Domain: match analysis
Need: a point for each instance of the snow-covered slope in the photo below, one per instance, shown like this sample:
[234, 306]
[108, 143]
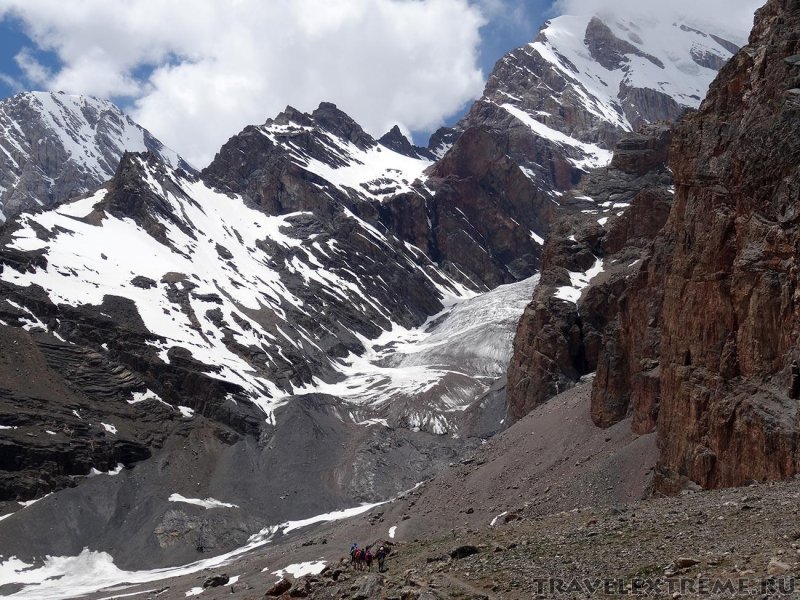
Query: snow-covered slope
[54, 146]
[329, 145]
[275, 305]
[566, 98]
[604, 60]
[218, 351]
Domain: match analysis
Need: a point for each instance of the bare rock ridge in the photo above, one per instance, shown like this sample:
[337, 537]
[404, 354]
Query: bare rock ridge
[56, 146]
[560, 334]
[282, 165]
[697, 340]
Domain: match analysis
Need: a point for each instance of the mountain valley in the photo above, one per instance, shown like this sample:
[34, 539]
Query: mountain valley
[497, 340]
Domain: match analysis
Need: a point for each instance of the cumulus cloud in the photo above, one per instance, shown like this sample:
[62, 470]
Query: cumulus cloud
[733, 18]
[32, 69]
[196, 71]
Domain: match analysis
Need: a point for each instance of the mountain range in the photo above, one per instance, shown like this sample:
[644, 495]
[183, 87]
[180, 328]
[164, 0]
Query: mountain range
[320, 319]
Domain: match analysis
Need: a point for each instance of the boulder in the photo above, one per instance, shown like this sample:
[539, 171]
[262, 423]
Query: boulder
[463, 551]
[216, 581]
[279, 588]
[369, 586]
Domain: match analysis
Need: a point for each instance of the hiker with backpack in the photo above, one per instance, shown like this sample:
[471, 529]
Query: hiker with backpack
[381, 556]
[353, 553]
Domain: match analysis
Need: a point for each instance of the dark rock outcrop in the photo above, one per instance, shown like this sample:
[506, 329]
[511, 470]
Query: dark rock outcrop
[610, 51]
[463, 551]
[216, 581]
[281, 587]
[395, 140]
[52, 431]
[442, 140]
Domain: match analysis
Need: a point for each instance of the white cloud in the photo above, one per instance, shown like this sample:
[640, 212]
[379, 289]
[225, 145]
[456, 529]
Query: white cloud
[31, 68]
[731, 17]
[12, 82]
[213, 67]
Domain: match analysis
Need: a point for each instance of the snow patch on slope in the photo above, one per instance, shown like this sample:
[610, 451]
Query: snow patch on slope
[296, 570]
[594, 155]
[205, 502]
[578, 282]
[61, 577]
[376, 172]
[87, 261]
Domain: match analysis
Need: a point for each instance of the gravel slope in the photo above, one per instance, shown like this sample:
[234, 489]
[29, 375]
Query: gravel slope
[553, 460]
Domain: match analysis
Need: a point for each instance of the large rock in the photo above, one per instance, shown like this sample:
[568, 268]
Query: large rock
[369, 586]
[278, 589]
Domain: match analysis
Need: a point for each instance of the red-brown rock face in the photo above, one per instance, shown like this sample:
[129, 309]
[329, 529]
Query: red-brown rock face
[707, 346]
[559, 339]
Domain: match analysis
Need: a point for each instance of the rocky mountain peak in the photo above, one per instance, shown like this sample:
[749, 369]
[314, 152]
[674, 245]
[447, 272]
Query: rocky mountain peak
[594, 78]
[326, 117]
[442, 140]
[57, 146]
[324, 149]
[140, 191]
[395, 137]
[609, 50]
[329, 117]
[291, 115]
[395, 140]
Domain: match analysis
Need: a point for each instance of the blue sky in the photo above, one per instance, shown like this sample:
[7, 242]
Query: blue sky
[12, 40]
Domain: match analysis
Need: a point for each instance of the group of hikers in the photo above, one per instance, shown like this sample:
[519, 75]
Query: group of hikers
[363, 557]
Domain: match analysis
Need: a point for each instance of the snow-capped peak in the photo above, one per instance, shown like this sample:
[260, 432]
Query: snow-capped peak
[608, 58]
[87, 125]
[569, 95]
[54, 146]
[329, 144]
[594, 78]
